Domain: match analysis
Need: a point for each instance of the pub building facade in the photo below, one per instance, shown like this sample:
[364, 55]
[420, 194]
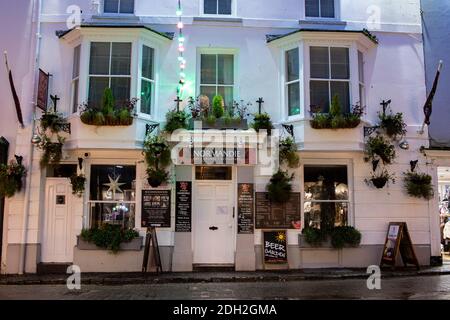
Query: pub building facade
[214, 211]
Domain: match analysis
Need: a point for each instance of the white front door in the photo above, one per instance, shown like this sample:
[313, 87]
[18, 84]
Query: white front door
[57, 240]
[214, 232]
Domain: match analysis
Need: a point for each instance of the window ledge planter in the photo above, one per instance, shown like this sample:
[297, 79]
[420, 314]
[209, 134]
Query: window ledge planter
[221, 124]
[323, 245]
[133, 245]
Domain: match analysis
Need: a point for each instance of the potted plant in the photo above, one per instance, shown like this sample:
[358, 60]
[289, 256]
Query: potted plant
[176, 120]
[53, 121]
[288, 153]
[109, 237]
[78, 182]
[335, 119]
[218, 107]
[418, 185]
[158, 156]
[52, 151]
[345, 236]
[262, 121]
[279, 187]
[313, 237]
[157, 177]
[380, 179]
[392, 124]
[379, 146]
[11, 176]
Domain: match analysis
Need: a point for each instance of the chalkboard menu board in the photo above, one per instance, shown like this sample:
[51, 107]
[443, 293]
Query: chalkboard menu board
[245, 208]
[155, 208]
[271, 215]
[275, 247]
[183, 214]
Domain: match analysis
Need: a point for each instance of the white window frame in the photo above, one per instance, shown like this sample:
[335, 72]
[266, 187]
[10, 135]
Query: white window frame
[75, 94]
[337, 12]
[142, 78]
[285, 95]
[218, 15]
[118, 13]
[361, 82]
[233, 52]
[350, 179]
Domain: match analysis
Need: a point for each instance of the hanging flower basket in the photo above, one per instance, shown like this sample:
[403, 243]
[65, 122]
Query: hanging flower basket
[11, 177]
[78, 182]
[418, 185]
[156, 177]
[380, 180]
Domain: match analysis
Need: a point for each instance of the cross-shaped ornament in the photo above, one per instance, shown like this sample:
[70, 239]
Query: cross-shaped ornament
[178, 101]
[55, 100]
[260, 101]
[385, 104]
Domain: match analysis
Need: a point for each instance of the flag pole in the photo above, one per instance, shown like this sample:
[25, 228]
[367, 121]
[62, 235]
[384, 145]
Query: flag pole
[14, 92]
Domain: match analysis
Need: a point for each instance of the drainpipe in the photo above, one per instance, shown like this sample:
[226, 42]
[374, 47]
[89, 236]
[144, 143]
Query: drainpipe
[37, 6]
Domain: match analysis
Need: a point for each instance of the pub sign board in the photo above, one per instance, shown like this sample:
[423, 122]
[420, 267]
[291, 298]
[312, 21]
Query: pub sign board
[246, 201]
[275, 247]
[42, 95]
[183, 214]
[271, 215]
[155, 208]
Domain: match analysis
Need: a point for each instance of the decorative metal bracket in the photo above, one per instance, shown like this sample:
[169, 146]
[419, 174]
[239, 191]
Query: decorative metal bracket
[289, 129]
[369, 130]
[149, 128]
[66, 128]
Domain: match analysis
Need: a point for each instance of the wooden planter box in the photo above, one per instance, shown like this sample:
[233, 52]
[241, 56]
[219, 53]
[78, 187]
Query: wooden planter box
[133, 245]
[220, 124]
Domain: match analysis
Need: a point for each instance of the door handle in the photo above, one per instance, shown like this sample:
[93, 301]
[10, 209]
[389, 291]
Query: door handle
[213, 228]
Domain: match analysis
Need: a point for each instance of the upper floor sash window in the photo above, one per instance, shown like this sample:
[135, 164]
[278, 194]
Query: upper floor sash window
[217, 7]
[75, 77]
[292, 81]
[217, 76]
[320, 9]
[118, 6]
[147, 79]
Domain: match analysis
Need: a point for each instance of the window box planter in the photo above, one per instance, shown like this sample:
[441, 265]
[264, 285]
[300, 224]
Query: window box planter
[303, 244]
[221, 124]
[133, 245]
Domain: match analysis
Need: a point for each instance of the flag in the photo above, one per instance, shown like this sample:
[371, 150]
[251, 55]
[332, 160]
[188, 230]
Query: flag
[14, 93]
[428, 107]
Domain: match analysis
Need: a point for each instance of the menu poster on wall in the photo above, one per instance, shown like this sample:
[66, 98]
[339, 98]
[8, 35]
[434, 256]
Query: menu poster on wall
[275, 247]
[271, 215]
[155, 208]
[245, 208]
[183, 214]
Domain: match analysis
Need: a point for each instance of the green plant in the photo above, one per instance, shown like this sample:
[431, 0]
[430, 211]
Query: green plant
[218, 107]
[108, 107]
[335, 108]
[176, 120]
[288, 153]
[341, 236]
[156, 176]
[314, 236]
[262, 122]
[392, 124]
[418, 185]
[108, 236]
[381, 147]
[338, 122]
[53, 121]
[77, 182]
[320, 121]
[98, 119]
[211, 120]
[227, 119]
[157, 151]
[279, 187]
[380, 179]
[11, 177]
[52, 151]
[124, 117]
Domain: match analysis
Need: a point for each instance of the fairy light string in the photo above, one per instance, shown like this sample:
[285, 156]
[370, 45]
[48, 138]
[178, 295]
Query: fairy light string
[181, 48]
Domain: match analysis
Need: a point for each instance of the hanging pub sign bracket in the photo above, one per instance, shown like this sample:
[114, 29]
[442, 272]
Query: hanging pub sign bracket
[289, 129]
[149, 128]
[369, 130]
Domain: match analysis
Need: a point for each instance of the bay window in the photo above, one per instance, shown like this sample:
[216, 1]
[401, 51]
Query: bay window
[110, 67]
[147, 79]
[217, 76]
[326, 196]
[320, 8]
[217, 7]
[118, 6]
[75, 78]
[329, 77]
[112, 195]
[292, 81]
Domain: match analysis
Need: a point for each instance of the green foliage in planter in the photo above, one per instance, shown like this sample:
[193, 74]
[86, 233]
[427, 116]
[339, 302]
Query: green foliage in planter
[262, 122]
[217, 108]
[124, 117]
[53, 121]
[157, 151]
[335, 108]
[341, 236]
[393, 124]
[320, 121]
[108, 107]
[11, 177]
[98, 119]
[227, 119]
[52, 151]
[380, 179]
[381, 147]
[176, 120]
[211, 120]
[314, 236]
[108, 236]
[279, 187]
[288, 153]
[78, 182]
[418, 185]
[156, 176]
[335, 119]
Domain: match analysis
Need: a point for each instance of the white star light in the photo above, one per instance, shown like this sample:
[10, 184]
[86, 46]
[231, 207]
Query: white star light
[114, 185]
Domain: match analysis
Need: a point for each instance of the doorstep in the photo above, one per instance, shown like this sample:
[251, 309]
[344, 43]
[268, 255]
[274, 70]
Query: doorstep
[217, 277]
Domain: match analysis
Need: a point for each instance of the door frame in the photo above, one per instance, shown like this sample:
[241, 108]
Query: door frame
[233, 183]
[4, 145]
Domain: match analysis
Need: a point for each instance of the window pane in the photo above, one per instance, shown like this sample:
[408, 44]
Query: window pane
[75, 96]
[342, 90]
[101, 188]
[111, 6]
[121, 90]
[340, 63]
[312, 8]
[320, 95]
[147, 62]
[209, 91]
[210, 6]
[326, 215]
[121, 58]
[294, 98]
[227, 94]
[326, 183]
[146, 96]
[361, 66]
[116, 213]
[76, 62]
[96, 88]
[224, 6]
[126, 6]
[225, 68]
[208, 68]
[292, 65]
[320, 62]
[99, 62]
[213, 173]
[327, 8]
[362, 95]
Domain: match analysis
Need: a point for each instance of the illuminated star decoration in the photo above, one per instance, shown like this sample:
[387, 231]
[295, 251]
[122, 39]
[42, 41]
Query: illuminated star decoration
[114, 185]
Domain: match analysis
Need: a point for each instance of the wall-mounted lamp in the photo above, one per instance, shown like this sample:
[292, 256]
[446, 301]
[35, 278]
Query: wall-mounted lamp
[36, 139]
[404, 145]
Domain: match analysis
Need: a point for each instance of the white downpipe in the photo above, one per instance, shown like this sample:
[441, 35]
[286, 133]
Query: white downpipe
[23, 247]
